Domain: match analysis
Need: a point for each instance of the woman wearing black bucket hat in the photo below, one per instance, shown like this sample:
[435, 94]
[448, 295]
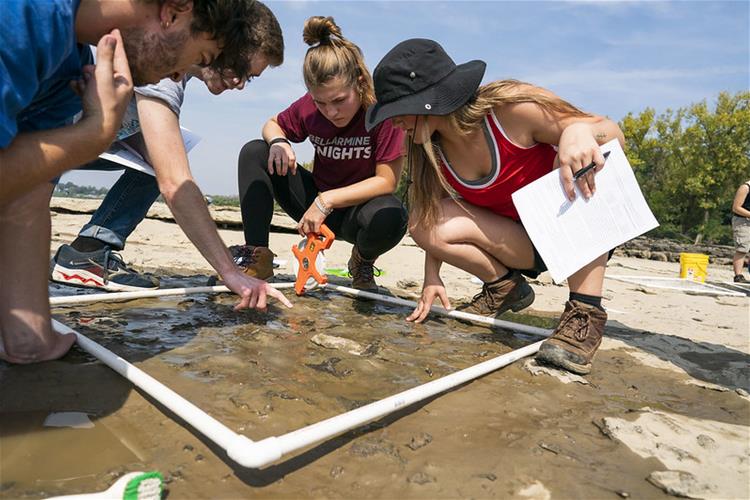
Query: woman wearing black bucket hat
[470, 148]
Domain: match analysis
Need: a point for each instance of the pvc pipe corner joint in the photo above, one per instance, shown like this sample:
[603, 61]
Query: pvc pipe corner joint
[255, 454]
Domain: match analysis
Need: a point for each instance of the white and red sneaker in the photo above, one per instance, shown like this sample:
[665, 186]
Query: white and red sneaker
[103, 269]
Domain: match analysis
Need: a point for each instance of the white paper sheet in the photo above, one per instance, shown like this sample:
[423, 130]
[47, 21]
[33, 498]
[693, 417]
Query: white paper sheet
[121, 153]
[568, 235]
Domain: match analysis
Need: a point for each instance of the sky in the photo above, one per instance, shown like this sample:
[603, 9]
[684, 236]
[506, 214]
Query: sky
[611, 58]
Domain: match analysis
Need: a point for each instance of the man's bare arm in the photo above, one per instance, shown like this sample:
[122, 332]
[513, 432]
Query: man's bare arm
[161, 132]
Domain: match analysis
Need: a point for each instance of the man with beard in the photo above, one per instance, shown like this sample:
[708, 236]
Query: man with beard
[42, 49]
[151, 129]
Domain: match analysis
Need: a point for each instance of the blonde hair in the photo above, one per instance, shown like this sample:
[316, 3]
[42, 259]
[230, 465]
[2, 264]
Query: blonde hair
[426, 173]
[331, 55]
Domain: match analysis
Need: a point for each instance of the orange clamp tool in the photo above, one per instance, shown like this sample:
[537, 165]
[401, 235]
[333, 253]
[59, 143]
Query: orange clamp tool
[307, 256]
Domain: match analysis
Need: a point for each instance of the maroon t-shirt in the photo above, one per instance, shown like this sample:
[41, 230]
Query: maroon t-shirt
[343, 156]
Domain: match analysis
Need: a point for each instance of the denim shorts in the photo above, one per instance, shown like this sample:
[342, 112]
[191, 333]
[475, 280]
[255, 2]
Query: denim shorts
[741, 231]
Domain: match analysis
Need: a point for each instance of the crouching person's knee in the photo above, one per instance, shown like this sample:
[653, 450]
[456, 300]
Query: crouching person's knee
[254, 153]
[422, 234]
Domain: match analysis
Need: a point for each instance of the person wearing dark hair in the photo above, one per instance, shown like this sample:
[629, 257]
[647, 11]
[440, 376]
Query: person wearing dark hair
[355, 171]
[741, 230]
[151, 128]
[471, 147]
[43, 48]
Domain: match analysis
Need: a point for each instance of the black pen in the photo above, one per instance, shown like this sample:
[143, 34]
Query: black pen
[588, 167]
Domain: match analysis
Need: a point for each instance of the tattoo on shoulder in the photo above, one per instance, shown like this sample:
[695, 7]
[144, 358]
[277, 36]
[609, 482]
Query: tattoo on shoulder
[600, 135]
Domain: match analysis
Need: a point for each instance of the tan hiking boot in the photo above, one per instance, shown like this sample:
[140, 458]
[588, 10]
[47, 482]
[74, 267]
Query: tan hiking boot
[575, 340]
[254, 261]
[362, 272]
[496, 298]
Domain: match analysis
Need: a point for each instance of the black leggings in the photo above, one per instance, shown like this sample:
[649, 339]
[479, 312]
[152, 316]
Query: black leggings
[375, 226]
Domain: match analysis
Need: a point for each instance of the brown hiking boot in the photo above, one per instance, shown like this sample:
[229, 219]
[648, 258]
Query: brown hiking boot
[362, 272]
[254, 261]
[496, 298]
[575, 340]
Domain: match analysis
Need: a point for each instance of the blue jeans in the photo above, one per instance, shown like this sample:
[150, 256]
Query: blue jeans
[124, 207]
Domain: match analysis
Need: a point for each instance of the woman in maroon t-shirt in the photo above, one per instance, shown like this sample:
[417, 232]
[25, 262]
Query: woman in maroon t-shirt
[355, 172]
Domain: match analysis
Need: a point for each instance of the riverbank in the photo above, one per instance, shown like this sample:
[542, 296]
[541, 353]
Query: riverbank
[665, 408]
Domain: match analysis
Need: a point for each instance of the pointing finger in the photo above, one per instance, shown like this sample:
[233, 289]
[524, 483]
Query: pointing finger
[278, 295]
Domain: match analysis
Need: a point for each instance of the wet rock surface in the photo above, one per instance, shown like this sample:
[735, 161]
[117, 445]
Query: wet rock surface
[681, 484]
[419, 441]
[704, 458]
[563, 376]
[338, 343]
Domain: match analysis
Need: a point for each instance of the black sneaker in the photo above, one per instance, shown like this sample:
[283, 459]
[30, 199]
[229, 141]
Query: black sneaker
[740, 278]
[103, 269]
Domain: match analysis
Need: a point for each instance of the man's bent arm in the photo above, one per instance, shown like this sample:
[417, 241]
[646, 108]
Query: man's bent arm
[166, 150]
[36, 157]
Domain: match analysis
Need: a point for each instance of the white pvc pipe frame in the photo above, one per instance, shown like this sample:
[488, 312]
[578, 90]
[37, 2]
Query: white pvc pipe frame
[257, 454]
[644, 281]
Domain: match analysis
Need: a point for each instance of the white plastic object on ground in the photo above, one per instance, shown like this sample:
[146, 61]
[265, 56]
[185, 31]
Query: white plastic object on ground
[145, 294]
[72, 419]
[147, 487]
[475, 318]
[681, 284]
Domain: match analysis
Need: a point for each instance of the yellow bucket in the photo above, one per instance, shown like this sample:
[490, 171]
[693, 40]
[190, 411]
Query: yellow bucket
[694, 266]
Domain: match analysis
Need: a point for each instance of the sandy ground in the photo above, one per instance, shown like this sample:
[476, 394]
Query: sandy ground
[666, 409]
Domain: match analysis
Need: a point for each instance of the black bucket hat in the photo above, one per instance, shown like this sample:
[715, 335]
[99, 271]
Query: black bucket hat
[417, 77]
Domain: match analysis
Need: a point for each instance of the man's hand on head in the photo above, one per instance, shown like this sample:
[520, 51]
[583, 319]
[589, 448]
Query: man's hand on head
[106, 89]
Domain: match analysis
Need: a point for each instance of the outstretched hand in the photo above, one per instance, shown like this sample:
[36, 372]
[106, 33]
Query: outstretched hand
[430, 292]
[253, 292]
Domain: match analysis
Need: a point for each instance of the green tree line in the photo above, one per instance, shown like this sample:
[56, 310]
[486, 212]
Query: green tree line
[689, 163]
[70, 190]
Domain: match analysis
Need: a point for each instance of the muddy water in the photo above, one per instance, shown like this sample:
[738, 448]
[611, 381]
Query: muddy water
[262, 375]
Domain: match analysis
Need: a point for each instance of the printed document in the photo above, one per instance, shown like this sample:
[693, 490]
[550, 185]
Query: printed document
[568, 235]
[121, 153]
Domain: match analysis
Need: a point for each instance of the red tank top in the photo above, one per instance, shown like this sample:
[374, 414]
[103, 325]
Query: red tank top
[513, 167]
